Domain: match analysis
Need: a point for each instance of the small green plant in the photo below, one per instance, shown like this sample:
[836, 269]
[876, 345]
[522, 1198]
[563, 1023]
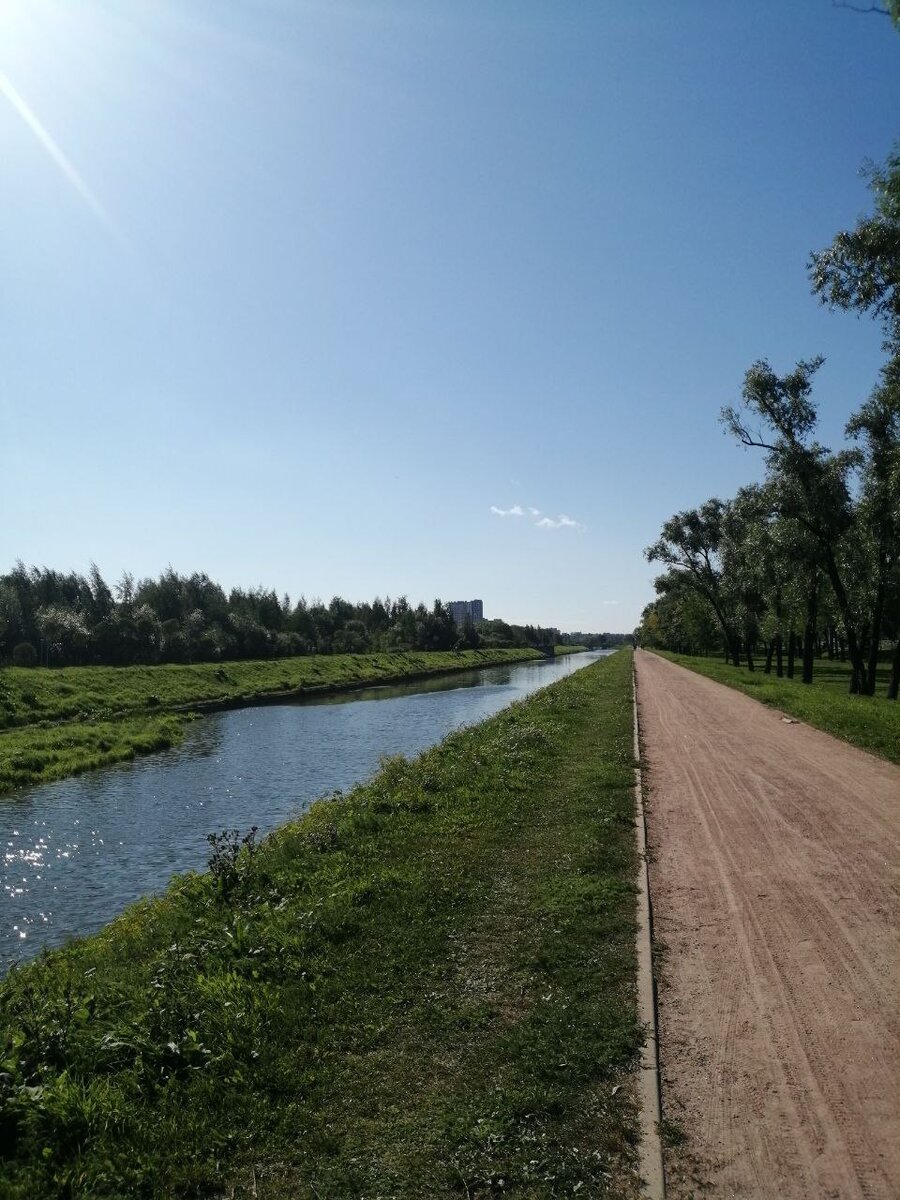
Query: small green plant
[230, 858]
[672, 1133]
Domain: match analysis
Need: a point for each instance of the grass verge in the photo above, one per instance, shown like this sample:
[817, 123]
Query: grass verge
[55, 723]
[870, 722]
[424, 988]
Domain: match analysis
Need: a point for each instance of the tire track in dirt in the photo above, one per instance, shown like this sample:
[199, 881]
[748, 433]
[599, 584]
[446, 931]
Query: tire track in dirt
[776, 894]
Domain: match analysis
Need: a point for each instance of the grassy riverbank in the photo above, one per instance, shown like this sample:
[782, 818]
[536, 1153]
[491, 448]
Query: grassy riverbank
[424, 988]
[101, 693]
[55, 723]
[42, 753]
[870, 722]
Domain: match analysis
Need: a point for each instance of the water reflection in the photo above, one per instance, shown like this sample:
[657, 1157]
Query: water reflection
[75, 853]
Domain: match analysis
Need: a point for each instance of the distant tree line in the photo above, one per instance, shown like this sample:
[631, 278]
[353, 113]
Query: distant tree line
[61, 619]
[594, 641]
[808, 562]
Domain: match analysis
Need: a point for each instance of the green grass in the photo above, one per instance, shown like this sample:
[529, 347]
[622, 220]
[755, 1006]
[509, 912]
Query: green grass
[55, 723]
[99, 693]
[39, 754]
[424, 988]
[560, 650]
[870, 722]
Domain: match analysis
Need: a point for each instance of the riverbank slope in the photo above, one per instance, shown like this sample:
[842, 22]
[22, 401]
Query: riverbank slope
[60, 722]
[423, 988]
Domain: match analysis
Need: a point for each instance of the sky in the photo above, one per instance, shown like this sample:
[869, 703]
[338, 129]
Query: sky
[441, 299]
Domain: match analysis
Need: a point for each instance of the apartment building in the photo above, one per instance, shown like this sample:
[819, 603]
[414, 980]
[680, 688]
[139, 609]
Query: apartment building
[466, 610]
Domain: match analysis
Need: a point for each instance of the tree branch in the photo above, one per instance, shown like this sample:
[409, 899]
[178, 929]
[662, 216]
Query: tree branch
[873, 8]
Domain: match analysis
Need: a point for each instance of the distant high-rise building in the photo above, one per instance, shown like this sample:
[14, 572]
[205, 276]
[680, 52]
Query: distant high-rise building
[466, 610]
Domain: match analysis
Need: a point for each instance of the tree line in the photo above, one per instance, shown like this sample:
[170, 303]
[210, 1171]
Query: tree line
[806, 563]
[61, 619]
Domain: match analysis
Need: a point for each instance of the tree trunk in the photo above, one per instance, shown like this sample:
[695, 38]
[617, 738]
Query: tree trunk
[792, 650]
[877, 618]
[808, 647]
[809, 633]
[748, 646]
[770, 650]
[894, 681]
[857, 663]
[779, 653]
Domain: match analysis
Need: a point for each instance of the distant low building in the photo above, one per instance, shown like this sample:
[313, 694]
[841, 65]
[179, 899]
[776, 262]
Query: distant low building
[466, 610]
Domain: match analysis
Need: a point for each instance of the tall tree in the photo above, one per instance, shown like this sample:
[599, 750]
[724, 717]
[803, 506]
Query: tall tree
[690, 542]
[809, 483]
[876, 426]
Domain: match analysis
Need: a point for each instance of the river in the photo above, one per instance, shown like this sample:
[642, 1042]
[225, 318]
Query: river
[78, 851]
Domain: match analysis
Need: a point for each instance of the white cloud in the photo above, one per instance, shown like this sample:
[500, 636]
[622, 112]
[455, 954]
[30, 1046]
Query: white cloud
[562, 522]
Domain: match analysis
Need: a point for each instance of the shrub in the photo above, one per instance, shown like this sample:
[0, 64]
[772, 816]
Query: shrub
[24, 655]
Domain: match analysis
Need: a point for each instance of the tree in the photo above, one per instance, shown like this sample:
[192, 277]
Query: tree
[65, 630]
[12, 624]
[876, 426]
[809, 484]
[680, 619]
[101, 597]
[690, 542]
[861, 268]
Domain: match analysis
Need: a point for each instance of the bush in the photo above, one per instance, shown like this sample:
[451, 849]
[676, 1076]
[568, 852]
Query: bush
[24, 655]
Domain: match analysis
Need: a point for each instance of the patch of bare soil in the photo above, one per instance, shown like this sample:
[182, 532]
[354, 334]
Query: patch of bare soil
[775, 885]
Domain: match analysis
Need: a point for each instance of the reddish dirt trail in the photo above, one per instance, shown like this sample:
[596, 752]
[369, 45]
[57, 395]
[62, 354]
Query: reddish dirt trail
[776, 893]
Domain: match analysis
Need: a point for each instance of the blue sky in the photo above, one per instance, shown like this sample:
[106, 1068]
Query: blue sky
[301, 293]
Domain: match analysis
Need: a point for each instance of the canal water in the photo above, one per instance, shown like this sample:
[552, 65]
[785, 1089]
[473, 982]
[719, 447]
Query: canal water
[76, 852]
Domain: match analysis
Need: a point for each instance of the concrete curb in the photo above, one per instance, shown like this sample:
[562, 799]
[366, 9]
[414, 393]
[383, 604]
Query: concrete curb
[651, 1161]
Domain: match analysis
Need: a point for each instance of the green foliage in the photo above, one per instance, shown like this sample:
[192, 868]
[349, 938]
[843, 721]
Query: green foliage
[231, 858]
[188, 619]
[423, 988]
[860, 270]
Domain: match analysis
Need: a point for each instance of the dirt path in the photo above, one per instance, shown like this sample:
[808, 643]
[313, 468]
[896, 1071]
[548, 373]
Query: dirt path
[776, 892]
